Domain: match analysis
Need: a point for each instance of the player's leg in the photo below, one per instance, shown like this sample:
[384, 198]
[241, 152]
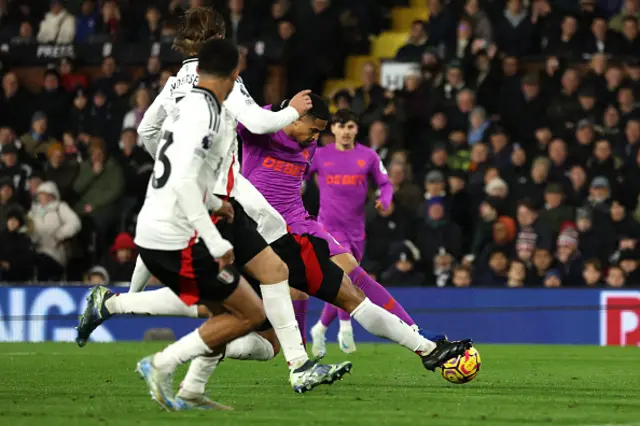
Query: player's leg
[319, 330]
[300, 304]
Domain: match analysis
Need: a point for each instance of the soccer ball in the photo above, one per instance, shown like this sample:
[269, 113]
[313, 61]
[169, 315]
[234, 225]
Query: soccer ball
[462, 369]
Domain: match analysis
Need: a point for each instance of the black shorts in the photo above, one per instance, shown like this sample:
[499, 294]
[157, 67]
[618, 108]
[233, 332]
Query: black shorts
[310, 267]
[192, 273]
[242, 234]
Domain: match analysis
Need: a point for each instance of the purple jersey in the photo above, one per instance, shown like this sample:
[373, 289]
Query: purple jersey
[343, 180]
[276, 165]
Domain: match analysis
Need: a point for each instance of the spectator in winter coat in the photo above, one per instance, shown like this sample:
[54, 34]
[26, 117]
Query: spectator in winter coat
[570, 261]
[552, 279]
[8, 201]
[599, 198]
[15, 104]
[629, 8]
[54, 223]
[137, 167]
[403, 272]
[504, 234]
[60, 171]
[97, 275]
[121, 259]
[99, 187]
[556, 211]
[37, 141]
[18, 173]
[15, 249]
[58, 25]
[542, 263]
[593, 242]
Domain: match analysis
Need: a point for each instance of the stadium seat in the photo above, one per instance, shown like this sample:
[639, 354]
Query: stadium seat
[387, 44]
[402, 17]
[354, 65]
[419, 3]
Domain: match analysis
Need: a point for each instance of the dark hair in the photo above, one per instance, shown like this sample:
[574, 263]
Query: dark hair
[319, 110]
[218, 58]
[197, 26]
[595, 263]
[528, 204]
[630, 18]
[343, 116]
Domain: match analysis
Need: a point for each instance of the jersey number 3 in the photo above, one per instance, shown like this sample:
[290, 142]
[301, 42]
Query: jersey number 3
[159, 181]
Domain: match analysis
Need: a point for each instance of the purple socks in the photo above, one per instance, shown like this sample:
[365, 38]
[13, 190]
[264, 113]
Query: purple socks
[329, 313]
[300, 309]
[378, 294]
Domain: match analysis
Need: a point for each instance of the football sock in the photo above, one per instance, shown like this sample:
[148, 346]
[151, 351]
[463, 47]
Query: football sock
[382, 323]
[250, 347]
[162, 301]
[185, 349]
[300, 309]
[343, 315]
[328, 314]
[345, 325]
[378, 294]
[200, 369]
[140, 277]
[279, 310]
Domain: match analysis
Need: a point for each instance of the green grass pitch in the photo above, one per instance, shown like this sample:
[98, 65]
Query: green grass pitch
[55, 384]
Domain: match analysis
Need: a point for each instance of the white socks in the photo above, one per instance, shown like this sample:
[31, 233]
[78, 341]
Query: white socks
[345, 326]
[279, 310]
[162, 301]
[200, 369]
[140, 276]
[185, 349]
[382, 323]
[250, 347]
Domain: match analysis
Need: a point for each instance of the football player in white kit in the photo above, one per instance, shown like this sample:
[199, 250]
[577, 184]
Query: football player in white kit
[203, 24]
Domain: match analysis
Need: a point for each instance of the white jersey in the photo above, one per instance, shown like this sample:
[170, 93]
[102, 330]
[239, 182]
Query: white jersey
[188, 157]
[239, 106]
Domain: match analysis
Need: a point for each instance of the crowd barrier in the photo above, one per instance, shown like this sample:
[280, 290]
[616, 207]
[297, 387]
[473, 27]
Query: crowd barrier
[533, 316]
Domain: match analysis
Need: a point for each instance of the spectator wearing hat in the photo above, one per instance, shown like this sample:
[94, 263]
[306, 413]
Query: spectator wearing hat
[437, 232]
[60, 171]
[15, 249]
[403, 271]
[97, 275]
[383, 229]
[599, 198]
[58, 25]
[36, 142]
[54, 225]
[438, 169]
[54, 102]
[592, 273]
[552, 279]
[556, 211]
[99, 187]
[121, 259]
[8, 201]
[17, 172]
[569, 258]
[435, 185]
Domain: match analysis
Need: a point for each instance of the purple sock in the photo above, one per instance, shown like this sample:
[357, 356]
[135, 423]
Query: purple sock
[329, 313]
[343, 315]
[300, 308]
[378, 294]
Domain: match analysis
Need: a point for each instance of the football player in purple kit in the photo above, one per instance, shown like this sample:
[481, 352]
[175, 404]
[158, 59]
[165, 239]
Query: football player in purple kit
[276, 165]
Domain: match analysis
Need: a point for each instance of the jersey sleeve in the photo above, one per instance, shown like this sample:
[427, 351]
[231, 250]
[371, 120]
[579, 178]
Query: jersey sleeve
[150, 127]
[255, 118]
[195, 135]
[379, 174]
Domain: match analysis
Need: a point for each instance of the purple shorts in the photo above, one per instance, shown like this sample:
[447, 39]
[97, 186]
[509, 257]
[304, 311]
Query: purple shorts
[356, 247]
[313, 227]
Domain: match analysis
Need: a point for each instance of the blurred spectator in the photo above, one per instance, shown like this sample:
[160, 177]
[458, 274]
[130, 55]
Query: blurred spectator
[98, 188]
[121, 258]
[240, 28]
[150, 79]
[461, 276]
[60, 171]
[16, 172]
[556, 210]
[630, 41]
[629, 8]
[54, 102]
[601, 40]
[79, 116]
[71, 80]
[152, 27]
[542, 265]
[140, 102]
[369, 99]
[378, 139]
[517, 274]
[592, 273]
[54, 225]
[86, 22]
[97, 275]
[407, 193]
[109, 22]
[416, 45]
[58, 25]
[514, 29]
[15, 249]
[441, 23]
[137, 167]
[403, 271]
[570, 261]
[616, 277]
[37, 142]
[482, 28]
[15, 104]
[25, 34]
[106, 81]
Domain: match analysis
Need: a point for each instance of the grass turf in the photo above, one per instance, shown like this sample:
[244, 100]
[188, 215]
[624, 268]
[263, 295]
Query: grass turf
[56, 384]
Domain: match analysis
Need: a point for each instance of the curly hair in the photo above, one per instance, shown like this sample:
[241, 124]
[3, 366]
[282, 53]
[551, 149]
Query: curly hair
[198, 25]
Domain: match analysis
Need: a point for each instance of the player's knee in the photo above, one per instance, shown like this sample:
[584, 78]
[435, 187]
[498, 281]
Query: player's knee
[255, 319]
[349, 296]
[298, 295]
[282, 270]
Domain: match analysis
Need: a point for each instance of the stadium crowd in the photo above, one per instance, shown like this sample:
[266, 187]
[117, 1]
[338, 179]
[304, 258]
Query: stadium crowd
[507, 171]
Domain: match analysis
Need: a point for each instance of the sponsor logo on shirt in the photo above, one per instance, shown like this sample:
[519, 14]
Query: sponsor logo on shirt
[337, 179]
[361, 163]
[328, 163]
[284, 167]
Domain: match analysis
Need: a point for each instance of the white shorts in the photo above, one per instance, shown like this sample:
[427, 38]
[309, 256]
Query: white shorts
[271, 225]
